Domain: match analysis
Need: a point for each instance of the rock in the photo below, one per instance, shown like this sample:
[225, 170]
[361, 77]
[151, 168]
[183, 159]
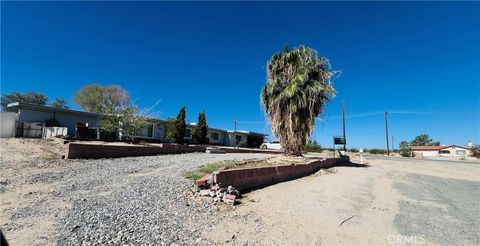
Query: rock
[204, 193]
[212, 193]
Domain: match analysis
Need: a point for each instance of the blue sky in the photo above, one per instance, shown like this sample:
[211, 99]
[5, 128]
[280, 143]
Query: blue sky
[420, 61]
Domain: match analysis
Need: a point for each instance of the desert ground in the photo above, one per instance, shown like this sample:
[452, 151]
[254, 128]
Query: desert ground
[146, 200]
[388, 201]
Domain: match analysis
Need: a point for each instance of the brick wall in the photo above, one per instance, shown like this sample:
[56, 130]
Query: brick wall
[250, 178]
[96, 151]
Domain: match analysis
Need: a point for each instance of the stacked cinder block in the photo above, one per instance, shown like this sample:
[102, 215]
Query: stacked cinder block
[250, 178]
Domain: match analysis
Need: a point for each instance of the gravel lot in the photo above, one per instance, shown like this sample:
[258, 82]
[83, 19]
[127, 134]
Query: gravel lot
[137, 201]
[146, 201]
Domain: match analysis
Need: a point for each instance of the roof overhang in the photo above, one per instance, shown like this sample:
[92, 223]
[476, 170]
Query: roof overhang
[43, 108]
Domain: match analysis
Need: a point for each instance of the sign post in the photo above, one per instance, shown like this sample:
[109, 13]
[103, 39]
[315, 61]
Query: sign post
[339, 141]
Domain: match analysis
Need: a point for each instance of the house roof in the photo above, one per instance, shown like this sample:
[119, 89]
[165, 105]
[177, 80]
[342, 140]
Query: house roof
[248, 133]
[44, 108]
[434, 148]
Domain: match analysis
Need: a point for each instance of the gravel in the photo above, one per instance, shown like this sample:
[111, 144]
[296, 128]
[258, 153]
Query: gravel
[129, 201]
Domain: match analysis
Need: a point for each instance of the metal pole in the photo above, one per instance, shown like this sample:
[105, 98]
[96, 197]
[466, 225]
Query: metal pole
[386, 132]
[333, 147]
[235, 125]
[343, 113]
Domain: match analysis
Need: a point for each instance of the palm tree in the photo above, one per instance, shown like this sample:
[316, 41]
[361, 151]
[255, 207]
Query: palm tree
[297, 90]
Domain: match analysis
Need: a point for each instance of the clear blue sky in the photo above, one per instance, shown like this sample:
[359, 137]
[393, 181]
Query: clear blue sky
[421, 60]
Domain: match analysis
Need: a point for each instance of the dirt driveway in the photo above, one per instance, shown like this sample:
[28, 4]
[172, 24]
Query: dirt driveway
[390, 201]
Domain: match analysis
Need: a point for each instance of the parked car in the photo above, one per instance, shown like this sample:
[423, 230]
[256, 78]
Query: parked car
[271, 145]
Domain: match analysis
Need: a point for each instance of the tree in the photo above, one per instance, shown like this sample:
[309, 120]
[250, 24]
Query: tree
[475, 150]
[424, 140]
[313, 146]
[102, 99]
[128, 120]
[29, 97]
[60, 103]
[297, 90]
[180, 126]
[171, 130]
[200, 135]
[405, 150]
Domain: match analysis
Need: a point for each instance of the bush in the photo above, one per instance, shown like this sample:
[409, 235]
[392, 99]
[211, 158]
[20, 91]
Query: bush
[378, 151]
[313, 146]
[476, 151]
[353, 150]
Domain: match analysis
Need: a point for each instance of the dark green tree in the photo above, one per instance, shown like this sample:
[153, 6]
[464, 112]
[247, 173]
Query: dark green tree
[180, 126]
[424, 140]
[29, 97]
[313, 146]
[60, 103]
[200, 135]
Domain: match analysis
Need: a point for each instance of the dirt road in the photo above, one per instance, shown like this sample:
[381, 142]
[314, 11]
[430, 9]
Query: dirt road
[389, 201]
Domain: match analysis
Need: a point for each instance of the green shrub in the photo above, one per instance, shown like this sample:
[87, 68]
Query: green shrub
[378, 151]
[313, 146]
[353, 150]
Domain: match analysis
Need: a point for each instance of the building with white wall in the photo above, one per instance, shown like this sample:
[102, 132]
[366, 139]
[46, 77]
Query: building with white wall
[454, 151]
[28, 115]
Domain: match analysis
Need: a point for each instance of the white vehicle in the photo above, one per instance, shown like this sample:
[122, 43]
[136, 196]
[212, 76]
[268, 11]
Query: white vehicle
[271, 145]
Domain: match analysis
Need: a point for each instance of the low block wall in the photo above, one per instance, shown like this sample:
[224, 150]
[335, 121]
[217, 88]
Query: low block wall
[96, 151]
[248, 150]
[250, 178]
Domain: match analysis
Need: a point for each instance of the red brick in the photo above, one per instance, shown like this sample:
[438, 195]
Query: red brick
[203, 180]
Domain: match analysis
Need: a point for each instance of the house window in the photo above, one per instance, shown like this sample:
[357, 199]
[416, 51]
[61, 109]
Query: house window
[460, 152]
[188, 133]
[444, 152]
[238, 139]
[215, 136]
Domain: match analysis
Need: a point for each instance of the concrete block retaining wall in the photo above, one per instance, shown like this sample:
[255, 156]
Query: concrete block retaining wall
[250, 150]
[250, 178]
[96, 151]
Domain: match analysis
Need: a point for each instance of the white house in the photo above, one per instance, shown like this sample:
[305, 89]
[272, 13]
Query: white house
[444, 151]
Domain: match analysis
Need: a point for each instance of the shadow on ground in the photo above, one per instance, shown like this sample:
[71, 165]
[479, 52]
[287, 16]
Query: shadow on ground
[351, 164]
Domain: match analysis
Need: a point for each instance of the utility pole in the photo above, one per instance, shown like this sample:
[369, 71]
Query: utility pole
[386, 132]
[344, 139]
[235, 125]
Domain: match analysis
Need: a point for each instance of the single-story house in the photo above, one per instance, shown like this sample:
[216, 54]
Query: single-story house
[31, 119]
[443, 151]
